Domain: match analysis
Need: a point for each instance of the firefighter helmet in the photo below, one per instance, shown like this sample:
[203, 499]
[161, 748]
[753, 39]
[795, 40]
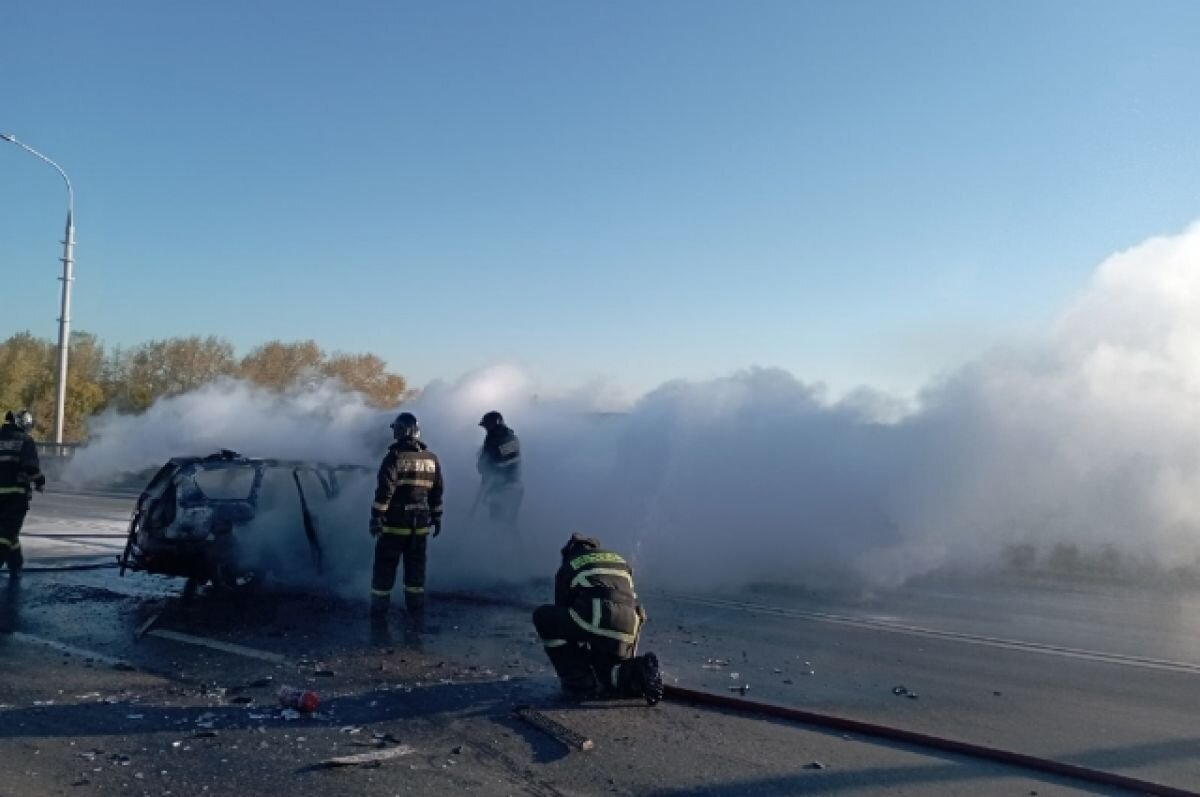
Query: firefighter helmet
[491, 420]
[406, 425]
[23, 419]
[579, 542]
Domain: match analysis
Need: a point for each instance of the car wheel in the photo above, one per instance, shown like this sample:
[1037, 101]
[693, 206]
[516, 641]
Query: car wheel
[231, 578]
[231, 574]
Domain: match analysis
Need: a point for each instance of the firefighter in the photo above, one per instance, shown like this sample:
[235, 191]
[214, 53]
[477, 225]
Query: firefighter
[20, 475]
[591, 631]
[499, 466]
[407, 509]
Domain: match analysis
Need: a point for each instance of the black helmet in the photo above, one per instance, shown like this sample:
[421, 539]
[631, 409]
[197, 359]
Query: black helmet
[491, 420]
[579, 542]
[406, 425]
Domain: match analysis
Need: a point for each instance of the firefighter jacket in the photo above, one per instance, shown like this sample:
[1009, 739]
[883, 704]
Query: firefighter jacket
[408, 494]
[20, 469]
[596, 587]
[499, 460]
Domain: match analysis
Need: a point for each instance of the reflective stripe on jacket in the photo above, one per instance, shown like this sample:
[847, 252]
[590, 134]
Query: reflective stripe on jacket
[499, 460]
[20, 468]
[597, 589]
[408, 491]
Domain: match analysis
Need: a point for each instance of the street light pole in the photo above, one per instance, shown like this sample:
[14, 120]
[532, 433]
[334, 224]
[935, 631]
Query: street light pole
[64, 319]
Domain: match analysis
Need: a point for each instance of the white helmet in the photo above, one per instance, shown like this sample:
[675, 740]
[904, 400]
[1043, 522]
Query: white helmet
[22, 419]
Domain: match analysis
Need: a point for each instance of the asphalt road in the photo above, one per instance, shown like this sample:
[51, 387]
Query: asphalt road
[1098, 675]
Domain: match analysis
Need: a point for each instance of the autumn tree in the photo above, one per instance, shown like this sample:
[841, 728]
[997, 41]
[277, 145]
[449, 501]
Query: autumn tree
[278, 366]
[169, 367]
[29, 374]
[133, 379]
[26, 370]
[367, 374]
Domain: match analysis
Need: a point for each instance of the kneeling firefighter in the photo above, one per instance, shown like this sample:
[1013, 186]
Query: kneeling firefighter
[407, 507]
[591, 631]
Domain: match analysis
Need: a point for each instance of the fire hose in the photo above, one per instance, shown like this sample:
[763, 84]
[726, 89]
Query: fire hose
[1074, 771]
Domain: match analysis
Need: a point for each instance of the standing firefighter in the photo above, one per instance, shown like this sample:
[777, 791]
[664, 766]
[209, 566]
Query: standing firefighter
[591, 631]
[408, 505]
[499, 466]
[20, 475]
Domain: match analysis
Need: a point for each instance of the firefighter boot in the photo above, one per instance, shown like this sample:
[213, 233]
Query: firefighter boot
[414, 605]
[575, 675]
[649, 678]
[379, 608]
[16, 562]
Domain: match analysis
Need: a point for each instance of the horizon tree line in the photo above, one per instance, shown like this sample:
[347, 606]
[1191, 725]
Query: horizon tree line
[131, 379]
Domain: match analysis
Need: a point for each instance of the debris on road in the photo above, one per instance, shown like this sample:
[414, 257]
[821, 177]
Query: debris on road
[904, 691]
[374, 758]
[741, 689]
[814, 765]
[299, 699]
[556, 730]
[146, 626]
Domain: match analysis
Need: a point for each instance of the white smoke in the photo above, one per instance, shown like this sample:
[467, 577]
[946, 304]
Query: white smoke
[1083, 445]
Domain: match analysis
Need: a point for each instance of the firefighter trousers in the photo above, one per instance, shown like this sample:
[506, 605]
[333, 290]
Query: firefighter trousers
[504, 503]
[13, 507]
[587, 664]
[392, 546]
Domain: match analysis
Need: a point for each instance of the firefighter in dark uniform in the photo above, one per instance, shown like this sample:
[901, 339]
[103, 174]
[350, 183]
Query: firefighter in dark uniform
[499, 466]
[407, 509]
[591, 631]
[20, 475]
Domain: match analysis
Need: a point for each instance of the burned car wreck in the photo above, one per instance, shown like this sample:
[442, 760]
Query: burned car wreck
[202, 518]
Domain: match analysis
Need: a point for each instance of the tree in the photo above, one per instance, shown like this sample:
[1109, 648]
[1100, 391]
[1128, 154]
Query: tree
[133, 379]
[365, 373]
[29, 379]
[169, 367]
[26, 369]
[278, 366]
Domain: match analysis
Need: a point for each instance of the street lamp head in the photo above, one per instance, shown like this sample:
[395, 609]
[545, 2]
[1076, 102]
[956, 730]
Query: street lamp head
[9, 137]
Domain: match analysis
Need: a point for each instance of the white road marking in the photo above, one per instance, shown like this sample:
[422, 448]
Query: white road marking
[213, 644]
[62, 647]
[954, 636]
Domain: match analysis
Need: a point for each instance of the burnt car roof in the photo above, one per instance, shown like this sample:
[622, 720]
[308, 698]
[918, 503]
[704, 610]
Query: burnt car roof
[228, 457]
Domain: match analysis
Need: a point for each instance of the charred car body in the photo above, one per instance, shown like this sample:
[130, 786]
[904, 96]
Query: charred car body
[198, 517]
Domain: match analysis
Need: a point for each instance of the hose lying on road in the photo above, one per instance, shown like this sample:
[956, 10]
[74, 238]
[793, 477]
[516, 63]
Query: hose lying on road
[67, 568]
[1086, 774]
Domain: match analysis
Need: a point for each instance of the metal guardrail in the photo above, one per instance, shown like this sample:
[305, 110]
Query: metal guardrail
[60, 450]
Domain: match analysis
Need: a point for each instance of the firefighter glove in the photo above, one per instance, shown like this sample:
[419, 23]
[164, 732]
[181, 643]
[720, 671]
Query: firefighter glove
[437, 527]
[376, 527]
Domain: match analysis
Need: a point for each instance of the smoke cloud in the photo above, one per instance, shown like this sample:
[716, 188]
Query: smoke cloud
[1081, 447]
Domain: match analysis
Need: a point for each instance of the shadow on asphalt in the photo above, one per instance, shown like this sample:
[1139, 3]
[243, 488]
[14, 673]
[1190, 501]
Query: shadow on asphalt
[859, 779]
[489, 700]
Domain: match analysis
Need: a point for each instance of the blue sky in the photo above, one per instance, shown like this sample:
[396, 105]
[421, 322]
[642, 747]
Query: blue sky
[859, 192]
